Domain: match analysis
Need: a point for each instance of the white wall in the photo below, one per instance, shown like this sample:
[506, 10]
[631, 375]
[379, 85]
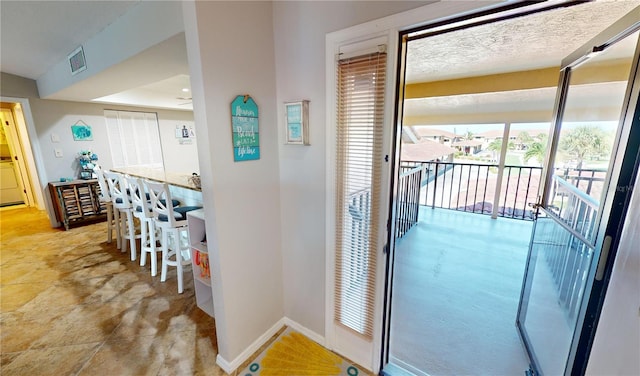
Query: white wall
[300, 30]
[56, 117]
[178, 157]
[616, 349]
[231, 52]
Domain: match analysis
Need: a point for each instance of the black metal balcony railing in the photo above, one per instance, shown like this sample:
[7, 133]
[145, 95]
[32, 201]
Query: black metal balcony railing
[471, 187]
[408, 202]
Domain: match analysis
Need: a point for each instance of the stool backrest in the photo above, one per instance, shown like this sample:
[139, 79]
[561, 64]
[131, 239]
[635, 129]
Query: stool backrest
[138, 196]
[161, 204]
[104, 188]
[117, 189]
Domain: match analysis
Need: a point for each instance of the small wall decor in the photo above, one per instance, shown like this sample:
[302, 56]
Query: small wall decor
[87, 162]
[81, 131]
[244, 125]
[185, 135]
[297, 122]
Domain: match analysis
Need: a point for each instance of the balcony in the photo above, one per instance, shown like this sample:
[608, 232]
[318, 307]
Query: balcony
[458, 273]
[457, 281]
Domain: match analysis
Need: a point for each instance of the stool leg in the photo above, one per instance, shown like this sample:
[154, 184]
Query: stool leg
[143, 241]
[179, 269]
[152, 247]
[131, 232]
[109, 222]
[165, 254]
[116, 222]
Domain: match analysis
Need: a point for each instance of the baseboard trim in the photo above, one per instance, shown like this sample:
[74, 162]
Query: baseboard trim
[230, 366]
[306, 331]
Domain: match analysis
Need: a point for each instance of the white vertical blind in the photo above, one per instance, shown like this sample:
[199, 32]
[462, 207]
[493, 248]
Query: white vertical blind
[134, 138]
[361, 84]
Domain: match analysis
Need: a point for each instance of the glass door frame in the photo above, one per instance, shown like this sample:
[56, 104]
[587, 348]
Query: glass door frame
[488, 15]
[623, 167]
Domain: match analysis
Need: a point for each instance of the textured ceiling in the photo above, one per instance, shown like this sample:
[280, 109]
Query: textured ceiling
[536, 41]
[540, 40]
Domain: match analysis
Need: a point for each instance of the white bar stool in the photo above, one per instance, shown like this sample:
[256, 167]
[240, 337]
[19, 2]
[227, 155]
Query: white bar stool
[124, 207]
[143, 211]
[105, 199]
[173, 224]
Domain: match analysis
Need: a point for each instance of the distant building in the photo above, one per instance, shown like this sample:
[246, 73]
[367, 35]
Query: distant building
[426, 151]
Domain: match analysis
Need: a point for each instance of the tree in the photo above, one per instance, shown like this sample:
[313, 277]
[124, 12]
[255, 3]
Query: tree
[523, 139]
[469, 136]
[582, 142]
[496, 146]
[537, 149]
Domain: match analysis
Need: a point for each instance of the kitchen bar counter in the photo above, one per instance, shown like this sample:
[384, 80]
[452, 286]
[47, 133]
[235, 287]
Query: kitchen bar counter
[158, 174]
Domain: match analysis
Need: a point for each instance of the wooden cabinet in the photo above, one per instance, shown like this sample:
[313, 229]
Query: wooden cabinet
[200, 261]
[77, 201]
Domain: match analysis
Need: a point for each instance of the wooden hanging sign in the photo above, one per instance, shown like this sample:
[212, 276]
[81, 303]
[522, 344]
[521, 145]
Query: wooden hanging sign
[244, 125]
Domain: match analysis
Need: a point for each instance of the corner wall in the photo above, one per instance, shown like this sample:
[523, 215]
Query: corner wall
[300, 29]
[231, 52]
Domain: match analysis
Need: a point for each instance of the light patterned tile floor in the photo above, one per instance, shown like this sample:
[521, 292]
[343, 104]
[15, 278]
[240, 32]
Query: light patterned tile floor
[72, 304]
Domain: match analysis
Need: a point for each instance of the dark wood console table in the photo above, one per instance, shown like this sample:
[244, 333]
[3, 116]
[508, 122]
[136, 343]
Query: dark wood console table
[77, 201]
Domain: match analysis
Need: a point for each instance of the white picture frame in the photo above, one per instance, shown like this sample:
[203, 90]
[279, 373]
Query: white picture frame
[296, 115]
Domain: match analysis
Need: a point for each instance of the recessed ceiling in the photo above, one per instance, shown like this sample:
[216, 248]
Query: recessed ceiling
[174, 93]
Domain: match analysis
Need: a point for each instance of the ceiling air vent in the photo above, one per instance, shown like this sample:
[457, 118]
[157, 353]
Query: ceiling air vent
[77, 61]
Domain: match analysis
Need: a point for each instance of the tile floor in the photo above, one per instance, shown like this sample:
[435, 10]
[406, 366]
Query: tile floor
[72, 304]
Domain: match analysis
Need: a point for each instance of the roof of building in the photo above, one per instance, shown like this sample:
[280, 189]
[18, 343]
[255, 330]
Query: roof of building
[426, 131]
[424, 151]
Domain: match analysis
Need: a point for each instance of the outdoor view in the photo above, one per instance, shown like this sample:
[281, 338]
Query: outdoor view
[460, 164]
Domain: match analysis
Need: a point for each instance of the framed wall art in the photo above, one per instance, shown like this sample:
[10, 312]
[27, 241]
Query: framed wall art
[297, 122]
[81, 131]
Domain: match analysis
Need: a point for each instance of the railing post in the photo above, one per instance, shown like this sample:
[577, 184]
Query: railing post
[435, 186]
[501, 163]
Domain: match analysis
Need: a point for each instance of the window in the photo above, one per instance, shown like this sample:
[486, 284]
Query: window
[134, 139]
[360, 116]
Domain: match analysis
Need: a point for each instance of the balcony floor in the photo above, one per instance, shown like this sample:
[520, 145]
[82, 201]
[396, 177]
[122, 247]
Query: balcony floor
[457, 282]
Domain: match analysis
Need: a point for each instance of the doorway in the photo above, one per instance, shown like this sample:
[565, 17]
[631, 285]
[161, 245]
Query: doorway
[456, 274]
[20, 180]
[13, 184]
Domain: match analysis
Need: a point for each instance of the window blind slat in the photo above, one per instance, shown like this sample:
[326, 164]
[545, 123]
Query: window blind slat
[134, 138]
[360, 111]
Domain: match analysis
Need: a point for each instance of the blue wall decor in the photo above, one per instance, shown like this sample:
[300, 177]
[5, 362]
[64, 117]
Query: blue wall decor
[244, 125]
[81, 131]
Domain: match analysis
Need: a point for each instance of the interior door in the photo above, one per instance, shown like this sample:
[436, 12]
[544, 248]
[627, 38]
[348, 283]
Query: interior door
[13, 190]
[590, 163]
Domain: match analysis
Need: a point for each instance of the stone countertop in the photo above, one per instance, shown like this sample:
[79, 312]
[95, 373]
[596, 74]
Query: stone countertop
[158, 174]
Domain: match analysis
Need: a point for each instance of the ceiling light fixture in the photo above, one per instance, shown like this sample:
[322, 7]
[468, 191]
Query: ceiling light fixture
[185, 90]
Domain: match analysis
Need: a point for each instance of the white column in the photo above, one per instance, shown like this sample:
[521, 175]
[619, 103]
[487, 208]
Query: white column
[503, 155]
